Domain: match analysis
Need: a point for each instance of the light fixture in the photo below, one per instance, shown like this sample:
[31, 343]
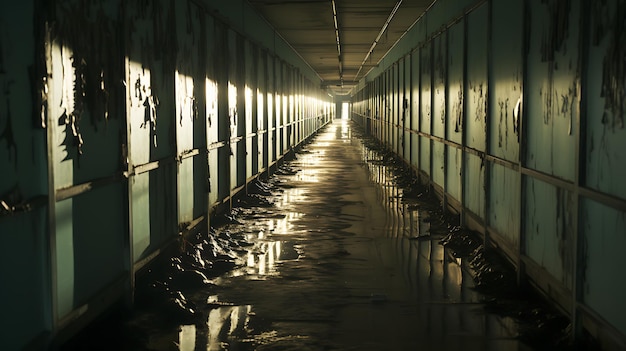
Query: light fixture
[382, 31]
[335, 20]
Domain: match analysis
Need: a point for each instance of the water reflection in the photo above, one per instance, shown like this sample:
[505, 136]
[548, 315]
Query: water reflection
[329, 269]
[346, 131]
[453, 315]
[227, 325]
[187, 338]
[263, 259]
[416, 248]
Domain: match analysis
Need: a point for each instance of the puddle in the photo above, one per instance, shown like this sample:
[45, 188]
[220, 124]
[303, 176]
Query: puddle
[341, 258]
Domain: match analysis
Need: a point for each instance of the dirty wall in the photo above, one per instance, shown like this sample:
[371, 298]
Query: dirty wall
[123, 124]
[514, 112]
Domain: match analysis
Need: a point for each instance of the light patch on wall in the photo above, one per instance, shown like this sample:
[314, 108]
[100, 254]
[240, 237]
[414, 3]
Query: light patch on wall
[248, 98]
[232, 106]
[211, 106]
[260, 107]
[71, 102]
[270, 109]
[186, 111]
[285, 109]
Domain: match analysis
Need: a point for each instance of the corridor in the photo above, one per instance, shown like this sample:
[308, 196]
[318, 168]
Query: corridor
[340, 260]
[321, 174]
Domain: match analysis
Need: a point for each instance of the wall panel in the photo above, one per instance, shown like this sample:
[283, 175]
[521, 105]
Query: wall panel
[415, 108]
[28, 306]
[553, 80]
[261, 103]
[455, 86]
[453, 172]
[504, 203]
[407, 110]
[605, 135]
[476, 88]
[549, 221]
[474, 190]
[505, 103]
[438, 108]
[604, 237]
[426, 103]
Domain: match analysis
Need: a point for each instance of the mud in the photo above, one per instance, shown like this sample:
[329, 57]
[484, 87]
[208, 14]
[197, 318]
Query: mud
[340, 250]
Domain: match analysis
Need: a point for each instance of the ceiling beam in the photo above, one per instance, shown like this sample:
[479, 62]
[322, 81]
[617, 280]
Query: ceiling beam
[380, 34]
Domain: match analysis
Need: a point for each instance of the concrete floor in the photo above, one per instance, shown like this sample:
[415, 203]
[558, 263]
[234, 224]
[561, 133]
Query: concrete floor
[339, 263]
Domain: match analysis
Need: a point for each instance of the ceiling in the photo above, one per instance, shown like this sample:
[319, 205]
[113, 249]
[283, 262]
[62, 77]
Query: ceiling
[366, 30]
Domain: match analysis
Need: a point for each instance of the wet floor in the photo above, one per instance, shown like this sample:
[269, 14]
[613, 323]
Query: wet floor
[340, 261]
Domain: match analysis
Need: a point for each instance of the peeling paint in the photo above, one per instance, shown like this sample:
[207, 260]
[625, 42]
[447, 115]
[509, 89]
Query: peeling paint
[92, 36]
[457, 110]
[555, 35]
[601, 20]
[613, 71]
[73, 138]
[480, 99]
[38, 73]
[504, 116]
[440, 77]
[151, 104]
[426, 87]
[516, 118]
[559, 103]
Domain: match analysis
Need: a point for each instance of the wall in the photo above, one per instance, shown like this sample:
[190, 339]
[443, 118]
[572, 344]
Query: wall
[23, 185]
[123, 124]
[513, 111]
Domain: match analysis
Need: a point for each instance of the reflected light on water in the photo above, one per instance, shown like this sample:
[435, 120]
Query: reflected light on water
[234, 321]
[291, 196]
[225, 324]
[346, 131]
[423, 254]
[310, 163]
[309, 176]
[251, 260]
[264, 258]
[262, 265]
[187, 338]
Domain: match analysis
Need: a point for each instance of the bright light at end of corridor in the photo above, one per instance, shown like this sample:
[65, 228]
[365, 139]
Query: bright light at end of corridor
[345, 111]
